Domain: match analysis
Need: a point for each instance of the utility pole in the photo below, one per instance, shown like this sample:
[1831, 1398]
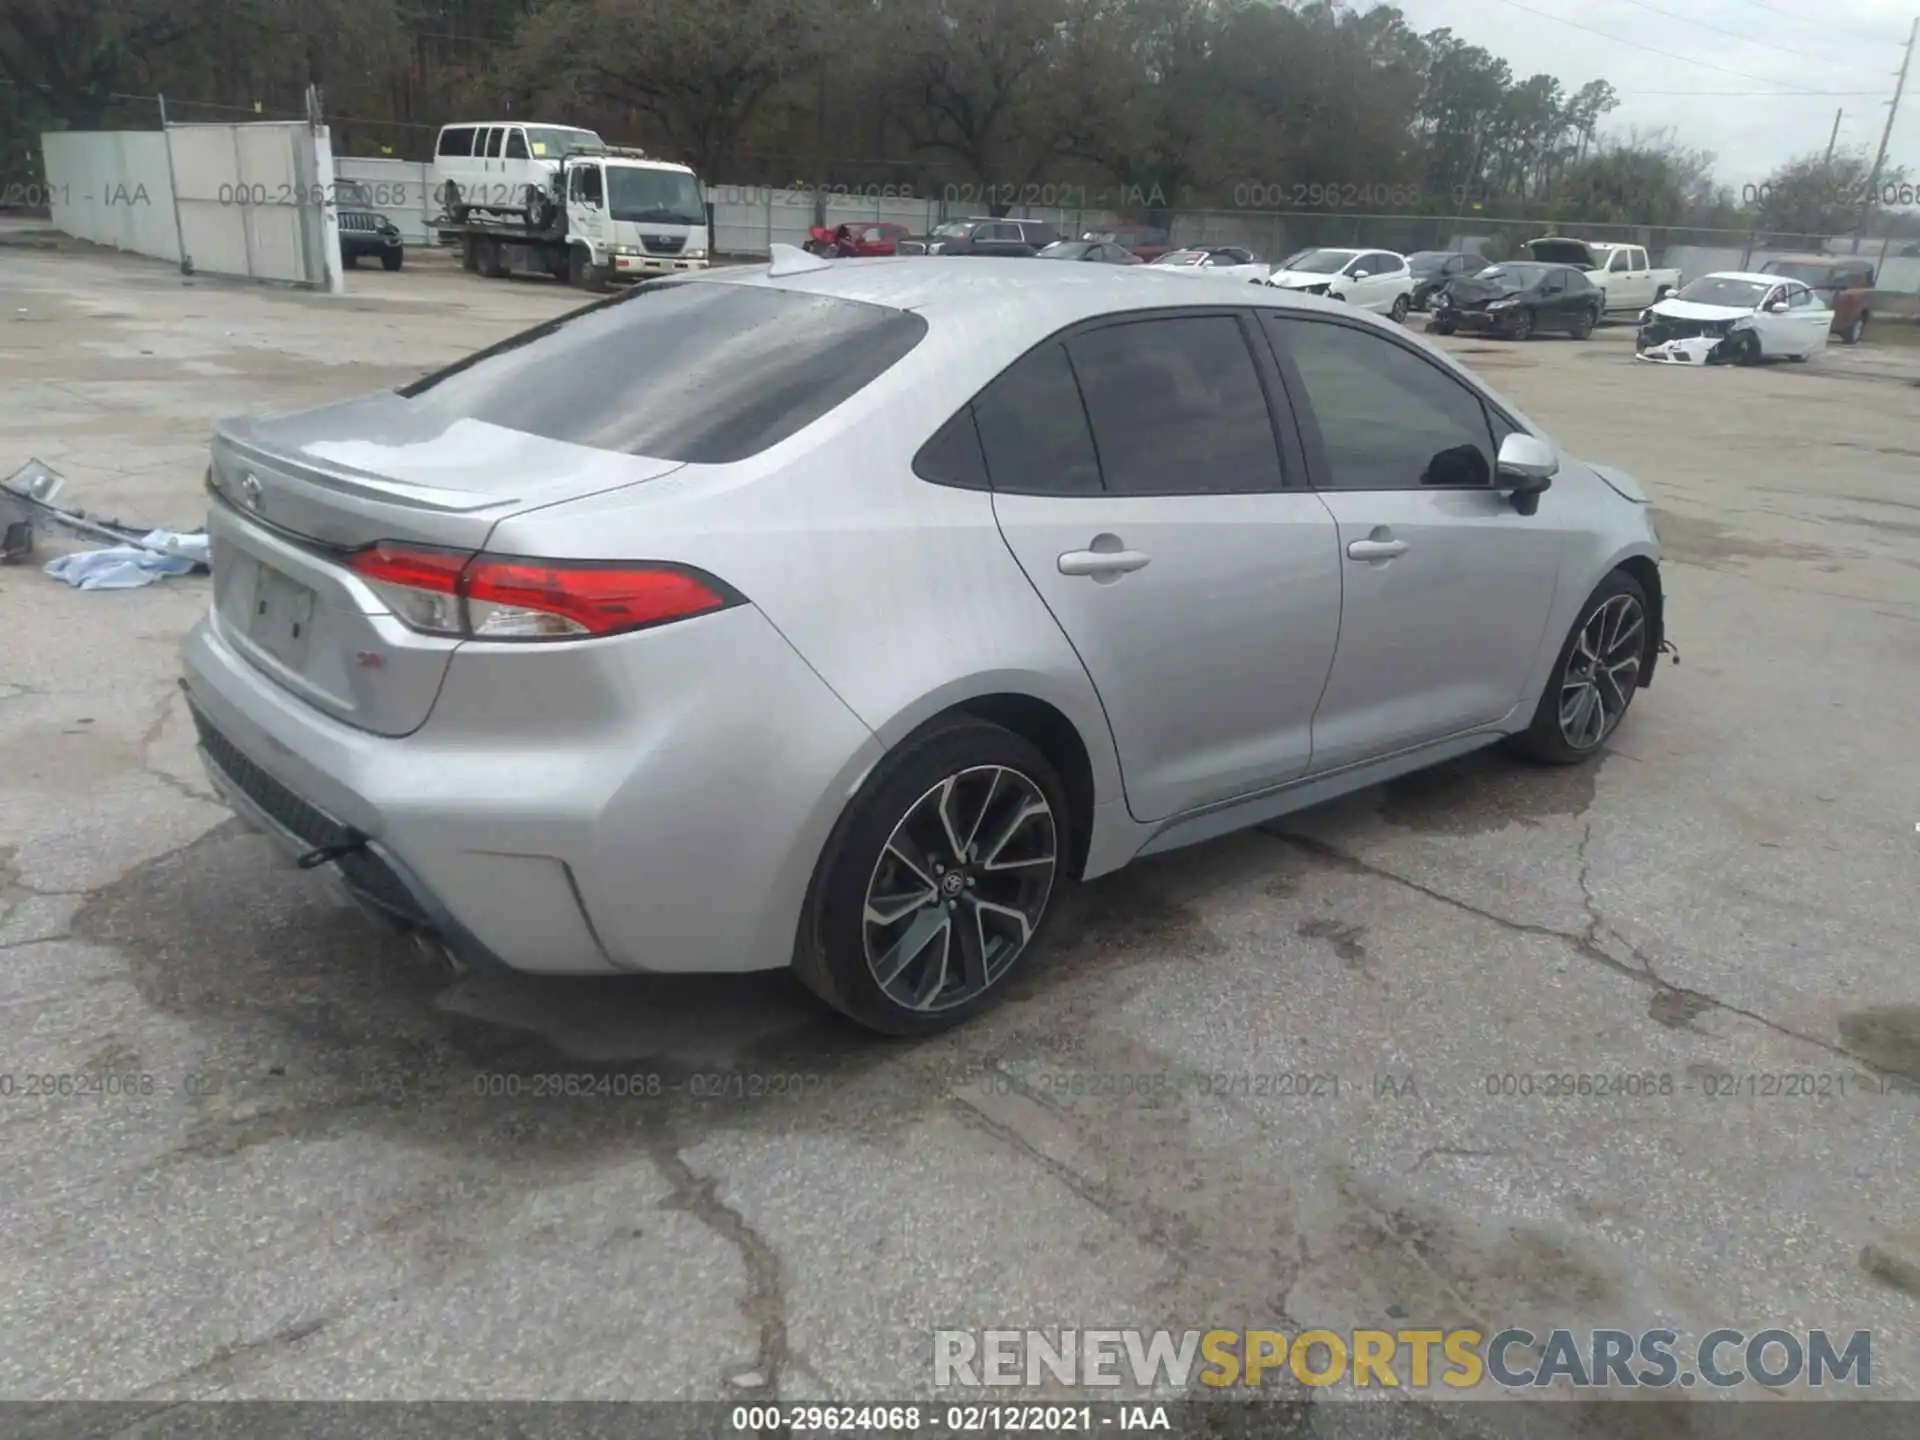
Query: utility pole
[1886, 135]
[1834, 136]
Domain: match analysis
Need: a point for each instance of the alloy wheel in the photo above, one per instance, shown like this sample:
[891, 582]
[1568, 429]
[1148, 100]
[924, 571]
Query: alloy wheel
[1602, 671]
[960, 887]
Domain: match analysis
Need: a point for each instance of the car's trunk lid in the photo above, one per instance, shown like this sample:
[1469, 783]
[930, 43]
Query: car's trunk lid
[293, 498]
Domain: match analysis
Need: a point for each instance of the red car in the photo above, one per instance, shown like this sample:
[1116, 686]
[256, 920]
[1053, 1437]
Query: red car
[1147, 242]
[872, 237]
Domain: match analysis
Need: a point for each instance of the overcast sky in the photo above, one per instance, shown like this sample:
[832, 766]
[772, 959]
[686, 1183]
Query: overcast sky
[1783, 45]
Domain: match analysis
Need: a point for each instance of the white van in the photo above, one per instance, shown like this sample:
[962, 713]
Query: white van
[494, 165]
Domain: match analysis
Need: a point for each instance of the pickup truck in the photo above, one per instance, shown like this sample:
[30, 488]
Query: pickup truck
[1621, 272]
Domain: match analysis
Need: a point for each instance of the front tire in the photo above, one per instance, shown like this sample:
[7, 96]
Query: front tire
[1594, 680]
[936, 884]
[392, 259]
[1521, 326]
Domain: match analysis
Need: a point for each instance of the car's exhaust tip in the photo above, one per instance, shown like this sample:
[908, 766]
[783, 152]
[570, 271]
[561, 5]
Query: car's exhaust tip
[436, 951]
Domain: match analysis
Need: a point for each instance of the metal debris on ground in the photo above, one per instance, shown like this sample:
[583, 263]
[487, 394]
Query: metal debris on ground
[135, 554]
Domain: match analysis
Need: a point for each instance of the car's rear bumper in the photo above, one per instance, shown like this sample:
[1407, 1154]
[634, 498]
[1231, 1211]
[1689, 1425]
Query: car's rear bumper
[652, 802]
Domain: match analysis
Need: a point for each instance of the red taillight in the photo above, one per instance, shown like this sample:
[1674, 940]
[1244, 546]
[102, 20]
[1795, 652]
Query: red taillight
[600, 599]
[415, 567]
[502, 597]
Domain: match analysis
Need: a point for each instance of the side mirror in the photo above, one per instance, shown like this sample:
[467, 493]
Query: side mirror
[1774, 307]
[1361, 274]
[1526, 466]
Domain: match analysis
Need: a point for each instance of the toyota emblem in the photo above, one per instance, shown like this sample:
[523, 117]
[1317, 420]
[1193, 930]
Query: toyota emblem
[250, 491]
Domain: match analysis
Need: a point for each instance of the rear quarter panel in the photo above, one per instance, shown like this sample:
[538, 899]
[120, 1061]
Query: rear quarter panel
[900, 594]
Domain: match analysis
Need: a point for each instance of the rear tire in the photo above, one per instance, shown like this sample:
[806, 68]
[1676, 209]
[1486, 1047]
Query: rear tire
[1399, 310]
[1440, 327]
[486, 255]
[1583, 328]
[938, 882]
[1600, 665]
[1851, 335]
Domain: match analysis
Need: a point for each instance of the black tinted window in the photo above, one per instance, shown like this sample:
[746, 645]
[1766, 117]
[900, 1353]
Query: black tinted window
[456, 142]
[1033, 428]
[697, 371]
[1388, 419]
[952, 456]
[517, 145]
[1177, 407]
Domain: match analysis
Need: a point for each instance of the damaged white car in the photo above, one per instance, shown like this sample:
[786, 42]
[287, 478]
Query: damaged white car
[1734, 318]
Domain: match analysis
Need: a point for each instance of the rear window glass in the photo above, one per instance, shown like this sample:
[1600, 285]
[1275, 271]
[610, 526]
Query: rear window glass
[456, 142]
[697, 371]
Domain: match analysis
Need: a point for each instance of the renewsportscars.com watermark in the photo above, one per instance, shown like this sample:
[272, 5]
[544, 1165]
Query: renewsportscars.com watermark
[1515, 1359]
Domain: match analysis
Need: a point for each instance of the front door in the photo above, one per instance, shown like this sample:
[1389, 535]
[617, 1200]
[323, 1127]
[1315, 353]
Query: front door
[1141, 489]
[1447, 588]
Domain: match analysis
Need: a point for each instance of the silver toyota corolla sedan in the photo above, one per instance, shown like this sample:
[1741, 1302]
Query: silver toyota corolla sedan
[837, 614]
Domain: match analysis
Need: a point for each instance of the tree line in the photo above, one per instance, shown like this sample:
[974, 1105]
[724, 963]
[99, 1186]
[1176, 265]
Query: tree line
[1157, 105]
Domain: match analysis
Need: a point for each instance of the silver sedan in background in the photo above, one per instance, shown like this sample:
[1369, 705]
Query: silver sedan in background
[835, 616]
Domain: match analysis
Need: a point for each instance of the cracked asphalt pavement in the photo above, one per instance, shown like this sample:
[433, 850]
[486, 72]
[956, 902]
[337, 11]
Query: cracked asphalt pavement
[315, 1189]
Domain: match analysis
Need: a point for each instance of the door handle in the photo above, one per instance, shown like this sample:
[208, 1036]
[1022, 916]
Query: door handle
[1101, 562]
[1376, 549]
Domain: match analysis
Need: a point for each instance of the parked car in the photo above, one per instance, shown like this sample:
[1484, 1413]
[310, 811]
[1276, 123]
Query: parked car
[1100, 252]
[1620, 272]
[1517, 299]
[1845, 286]
[365, 233]
[1735, 317]
[1234, 262]
[566, 676]
[851, 241]
[1376, 280]
[502, 167]
[982, 235]
[1432, 269]
[1146, 242]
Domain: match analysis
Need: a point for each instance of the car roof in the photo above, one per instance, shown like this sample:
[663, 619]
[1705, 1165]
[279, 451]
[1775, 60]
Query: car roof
[1754, 276]
[1041, 297]
[1831, 260]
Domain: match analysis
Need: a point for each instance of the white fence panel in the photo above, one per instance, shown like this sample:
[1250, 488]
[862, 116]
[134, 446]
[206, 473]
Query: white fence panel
[251, 201]
[111, 187]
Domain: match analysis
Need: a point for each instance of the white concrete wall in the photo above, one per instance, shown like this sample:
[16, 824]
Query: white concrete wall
[1894, 273]
[246, 200]
[111, 187]
[749, 218]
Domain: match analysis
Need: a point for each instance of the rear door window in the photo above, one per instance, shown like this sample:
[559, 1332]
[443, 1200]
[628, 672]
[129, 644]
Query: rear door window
[1177, 407]
[697, 371]
[1033, 428]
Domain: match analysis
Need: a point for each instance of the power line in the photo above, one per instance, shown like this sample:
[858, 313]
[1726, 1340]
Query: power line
[1778, 94]
[1736, 35]
[1652, 50]
[1823, 23]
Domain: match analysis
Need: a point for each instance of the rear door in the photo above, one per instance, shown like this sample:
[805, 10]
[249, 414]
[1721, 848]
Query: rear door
[1447, 588]
[1138, 481]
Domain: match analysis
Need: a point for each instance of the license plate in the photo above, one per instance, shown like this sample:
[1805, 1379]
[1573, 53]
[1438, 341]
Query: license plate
[280, 618]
